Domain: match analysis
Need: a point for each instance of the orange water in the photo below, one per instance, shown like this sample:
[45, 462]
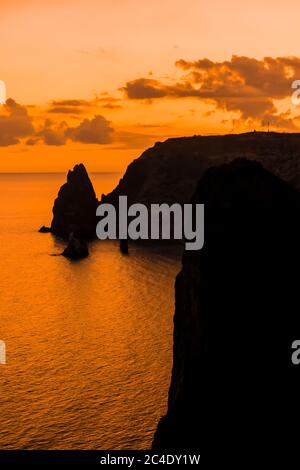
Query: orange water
[89, 343]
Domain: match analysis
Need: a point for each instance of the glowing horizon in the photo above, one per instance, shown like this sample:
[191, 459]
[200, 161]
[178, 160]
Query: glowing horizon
[101, 81]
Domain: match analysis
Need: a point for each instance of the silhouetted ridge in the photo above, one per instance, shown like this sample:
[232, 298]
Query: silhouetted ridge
[234, 390]
[170, 170]
[75, 206]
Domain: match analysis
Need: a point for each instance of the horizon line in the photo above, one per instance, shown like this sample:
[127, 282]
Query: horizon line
[55, 172]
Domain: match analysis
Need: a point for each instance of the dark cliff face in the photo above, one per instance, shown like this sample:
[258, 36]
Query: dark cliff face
[169, 171]
[75, 206]
[234, 388]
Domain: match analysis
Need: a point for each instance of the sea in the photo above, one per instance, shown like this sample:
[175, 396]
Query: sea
[89, 342]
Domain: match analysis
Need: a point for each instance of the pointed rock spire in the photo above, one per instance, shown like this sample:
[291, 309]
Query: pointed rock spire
[74, 208]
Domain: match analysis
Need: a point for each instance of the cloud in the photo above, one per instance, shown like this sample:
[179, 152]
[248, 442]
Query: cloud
[244, 85]
[145, 88]
[112, 106]
[105, 100]
[14, 124]
[72, 103]
[92, 131]
[76, 107]
[52, 133]
[65, 110]
[71, 106]
[89, 131]
[148, 89]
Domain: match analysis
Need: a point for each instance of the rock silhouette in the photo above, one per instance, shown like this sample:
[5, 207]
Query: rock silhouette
[169, 171]
[124, 247]
[76, 248]
[45, 229]
[75, 206]
[234, 390]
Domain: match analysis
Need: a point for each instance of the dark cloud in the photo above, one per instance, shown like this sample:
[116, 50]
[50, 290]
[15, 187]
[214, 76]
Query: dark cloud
[50, 133]
[148, 89]
[111, 106]
[65, 110]
[245, 85]
[71, 103]
[92, 131]
[14, 124]
[71, 107]
[76, 107]
[89, 131]
[145, 88]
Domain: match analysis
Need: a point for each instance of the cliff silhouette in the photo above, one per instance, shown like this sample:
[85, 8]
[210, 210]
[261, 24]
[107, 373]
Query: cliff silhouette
[169, 171]
[236, 300]
[234, 390]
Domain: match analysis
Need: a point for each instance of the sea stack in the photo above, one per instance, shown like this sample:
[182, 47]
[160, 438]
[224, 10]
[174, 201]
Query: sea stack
[75, 207]
[234, 389]
[76, 248]
[124, 246]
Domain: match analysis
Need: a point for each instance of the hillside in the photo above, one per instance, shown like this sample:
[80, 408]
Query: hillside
[169, 171]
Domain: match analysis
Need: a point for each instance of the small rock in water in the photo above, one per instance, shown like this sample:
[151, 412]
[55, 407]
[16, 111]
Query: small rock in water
[76, 248]
[45, 229]
[124, 247]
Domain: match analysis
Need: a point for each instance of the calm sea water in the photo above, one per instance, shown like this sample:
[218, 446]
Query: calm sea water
[89, 343]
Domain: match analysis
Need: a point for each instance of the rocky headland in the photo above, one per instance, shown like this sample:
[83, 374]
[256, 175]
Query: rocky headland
[169, 171]
[236, 312]
[234, 390]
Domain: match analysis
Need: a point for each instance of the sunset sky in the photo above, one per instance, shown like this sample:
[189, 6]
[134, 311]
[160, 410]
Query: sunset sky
[99, 81]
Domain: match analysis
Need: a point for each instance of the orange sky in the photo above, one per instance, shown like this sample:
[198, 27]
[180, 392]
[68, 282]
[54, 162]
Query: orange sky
[66, 61]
